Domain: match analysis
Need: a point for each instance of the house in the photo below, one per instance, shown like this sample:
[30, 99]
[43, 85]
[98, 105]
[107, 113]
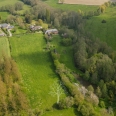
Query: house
[51, 31]
[6, 26]
[35, 28]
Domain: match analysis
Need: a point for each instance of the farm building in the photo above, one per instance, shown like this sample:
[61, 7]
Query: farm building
[35, 28]
[6, 26]
[51, 31]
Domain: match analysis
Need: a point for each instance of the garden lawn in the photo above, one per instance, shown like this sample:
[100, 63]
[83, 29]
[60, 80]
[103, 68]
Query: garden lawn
[36, 67]
[104, 31]
[71, 7]
[4, 46]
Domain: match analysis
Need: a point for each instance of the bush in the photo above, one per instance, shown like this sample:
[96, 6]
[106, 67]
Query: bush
[66, 103]
[102, 104]
[86, 109]
[67, 41]
[103, 21]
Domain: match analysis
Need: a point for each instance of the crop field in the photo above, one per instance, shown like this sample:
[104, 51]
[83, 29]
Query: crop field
[104, 31]
[71, 7]
[4, 46]
[86, 2]
[36, 68]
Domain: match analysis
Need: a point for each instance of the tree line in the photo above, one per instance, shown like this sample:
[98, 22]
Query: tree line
[12, 98]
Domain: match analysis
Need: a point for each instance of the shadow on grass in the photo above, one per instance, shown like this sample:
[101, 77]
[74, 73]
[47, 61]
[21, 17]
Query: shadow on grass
[37, 59]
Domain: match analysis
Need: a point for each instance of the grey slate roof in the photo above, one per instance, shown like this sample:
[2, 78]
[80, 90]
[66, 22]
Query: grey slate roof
[5, 25]
[51, 30]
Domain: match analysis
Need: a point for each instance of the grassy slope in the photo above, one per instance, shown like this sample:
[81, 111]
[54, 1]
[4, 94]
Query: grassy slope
[5, 2]
[4, 46]
[54, 3]
[36, 67]
[105, 31]
[4, 15]
[37, 70]
[66, 53]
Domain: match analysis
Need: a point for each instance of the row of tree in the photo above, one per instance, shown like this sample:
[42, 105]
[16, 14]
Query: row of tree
[12, 99]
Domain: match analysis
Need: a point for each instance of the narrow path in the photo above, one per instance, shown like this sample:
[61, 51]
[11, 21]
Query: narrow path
[10, 34]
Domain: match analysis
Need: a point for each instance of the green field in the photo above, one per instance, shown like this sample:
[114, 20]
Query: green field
[4, 46]
[7, 2]
[37, 69]
[66, 53]
[104, 31]
[35, 66]
[4, 15]
[54, 3]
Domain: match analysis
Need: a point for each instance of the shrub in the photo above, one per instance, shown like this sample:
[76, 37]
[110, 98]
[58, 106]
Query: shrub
[67, 41]
[66, 103]
[103, 21]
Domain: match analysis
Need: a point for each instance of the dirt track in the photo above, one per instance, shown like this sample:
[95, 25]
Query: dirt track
[87, 2]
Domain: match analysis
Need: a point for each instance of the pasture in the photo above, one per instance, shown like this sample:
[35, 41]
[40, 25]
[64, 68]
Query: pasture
[104, 31]
[6, 2]
[4, 46]
[4, 15]
[66, 53]
[38, 71]
[36, 68]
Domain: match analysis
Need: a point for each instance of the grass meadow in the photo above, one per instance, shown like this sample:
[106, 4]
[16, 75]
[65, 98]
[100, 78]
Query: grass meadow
[36, 68]
[7, 2]
[4, 15]
[38, 71]
[4, 46]
[71, 7]
[66, 53]
[104, 31]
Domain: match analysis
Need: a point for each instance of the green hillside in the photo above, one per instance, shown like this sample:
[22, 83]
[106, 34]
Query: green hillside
[5, 2]
[104, 31]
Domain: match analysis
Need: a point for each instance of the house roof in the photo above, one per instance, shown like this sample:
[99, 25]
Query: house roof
[51, 30]
[5, 25]
[33, 27]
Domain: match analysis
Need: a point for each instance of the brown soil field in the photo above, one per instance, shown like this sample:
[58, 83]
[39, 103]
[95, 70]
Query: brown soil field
[87, 2]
